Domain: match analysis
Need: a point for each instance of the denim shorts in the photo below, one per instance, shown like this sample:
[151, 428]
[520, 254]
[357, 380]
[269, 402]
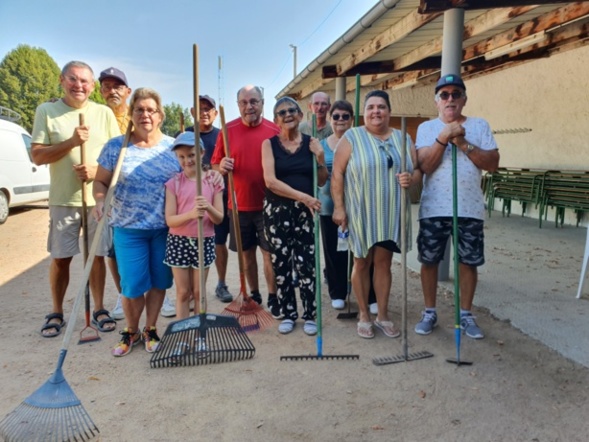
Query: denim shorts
[434, 233]
[140, 259]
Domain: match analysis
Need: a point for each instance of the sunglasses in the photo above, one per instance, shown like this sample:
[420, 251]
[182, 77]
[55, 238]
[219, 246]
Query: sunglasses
[344, 117]
[455, 95]
[290, 111]
[388, 155]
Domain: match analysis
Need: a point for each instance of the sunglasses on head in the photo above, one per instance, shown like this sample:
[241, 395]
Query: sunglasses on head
[344, 117]
[291, 111]
[455, 95]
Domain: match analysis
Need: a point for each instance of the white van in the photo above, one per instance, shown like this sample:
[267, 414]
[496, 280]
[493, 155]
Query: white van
[21, 181]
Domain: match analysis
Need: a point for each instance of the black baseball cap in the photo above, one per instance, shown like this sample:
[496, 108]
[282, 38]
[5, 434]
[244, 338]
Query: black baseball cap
[450, 80]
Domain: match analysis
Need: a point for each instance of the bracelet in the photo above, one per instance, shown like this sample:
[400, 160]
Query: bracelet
[441, 144]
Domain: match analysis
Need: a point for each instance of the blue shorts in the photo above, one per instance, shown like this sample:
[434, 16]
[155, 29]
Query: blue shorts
[140, 256]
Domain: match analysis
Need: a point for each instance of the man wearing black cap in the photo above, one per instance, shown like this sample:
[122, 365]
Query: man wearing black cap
[115, 90]
[208, 135]
[476, 151]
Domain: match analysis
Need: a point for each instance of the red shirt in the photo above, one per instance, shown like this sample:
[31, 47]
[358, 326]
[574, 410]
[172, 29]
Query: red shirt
[245, 143]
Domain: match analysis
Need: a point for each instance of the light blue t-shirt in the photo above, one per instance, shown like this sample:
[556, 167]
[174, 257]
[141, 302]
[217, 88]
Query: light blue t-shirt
[324, 192]
[138, 201]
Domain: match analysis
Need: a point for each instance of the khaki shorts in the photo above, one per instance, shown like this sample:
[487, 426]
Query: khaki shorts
[65, 224]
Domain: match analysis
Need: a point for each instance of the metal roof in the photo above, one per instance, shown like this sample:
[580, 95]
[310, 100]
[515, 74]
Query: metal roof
[394, 46]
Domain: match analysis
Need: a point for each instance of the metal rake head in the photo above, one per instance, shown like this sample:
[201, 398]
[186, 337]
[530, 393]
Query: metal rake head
[385, 360]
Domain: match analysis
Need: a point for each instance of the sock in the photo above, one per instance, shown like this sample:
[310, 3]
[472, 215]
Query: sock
[464, 312]
[430, 309]
[255, 292]
[221, 283]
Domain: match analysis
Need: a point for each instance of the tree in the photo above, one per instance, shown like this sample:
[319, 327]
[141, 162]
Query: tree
[28, 77]
[96, 96]
[172, 124]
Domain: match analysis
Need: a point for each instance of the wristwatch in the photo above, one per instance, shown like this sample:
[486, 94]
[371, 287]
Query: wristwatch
[469, 149]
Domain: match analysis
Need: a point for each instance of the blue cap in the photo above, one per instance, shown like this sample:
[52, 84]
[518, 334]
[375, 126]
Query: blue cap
[450, 80]
[115, 73]
[185, 139]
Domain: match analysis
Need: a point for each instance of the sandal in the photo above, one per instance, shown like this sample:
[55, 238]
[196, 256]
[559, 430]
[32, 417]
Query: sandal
[100, 324]
[57, 326]
[286, 326]
[310, 328]
[365, 330]
[387, 328]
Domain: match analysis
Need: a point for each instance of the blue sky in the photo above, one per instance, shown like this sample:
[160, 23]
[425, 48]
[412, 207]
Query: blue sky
[151, 41]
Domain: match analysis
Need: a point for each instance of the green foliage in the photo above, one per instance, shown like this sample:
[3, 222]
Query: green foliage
[96, 96]
[172, 124]
[28, 77]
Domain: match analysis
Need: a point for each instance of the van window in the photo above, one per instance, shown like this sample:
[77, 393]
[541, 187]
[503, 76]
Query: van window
[27, 141]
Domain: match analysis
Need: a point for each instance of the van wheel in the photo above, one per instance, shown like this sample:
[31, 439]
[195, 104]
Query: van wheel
[3, 207]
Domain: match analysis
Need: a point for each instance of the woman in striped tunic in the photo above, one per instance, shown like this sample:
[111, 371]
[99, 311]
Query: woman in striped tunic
[366, 188]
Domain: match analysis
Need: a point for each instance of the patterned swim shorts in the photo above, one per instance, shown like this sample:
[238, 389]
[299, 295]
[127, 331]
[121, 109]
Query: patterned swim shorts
[434, 233]
[182, 251]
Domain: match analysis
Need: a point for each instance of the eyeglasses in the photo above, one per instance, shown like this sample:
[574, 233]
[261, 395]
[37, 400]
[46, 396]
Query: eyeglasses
[388, 155]
[118, 87]
[253, 102]
[344, 117]
[141, 111]
[206, 111]
[455, 95]
[290, 111]
[73, 80]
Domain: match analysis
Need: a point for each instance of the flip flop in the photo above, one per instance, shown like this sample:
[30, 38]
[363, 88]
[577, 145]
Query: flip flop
[387, 328]
[100, 324]
[57, 326]
[365, 330]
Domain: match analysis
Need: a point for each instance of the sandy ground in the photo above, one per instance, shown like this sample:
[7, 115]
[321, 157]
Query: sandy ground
[517, 389]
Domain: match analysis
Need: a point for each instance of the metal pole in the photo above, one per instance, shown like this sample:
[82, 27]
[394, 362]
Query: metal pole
[294, 60]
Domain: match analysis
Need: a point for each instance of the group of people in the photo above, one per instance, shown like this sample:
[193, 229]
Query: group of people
[153, 220]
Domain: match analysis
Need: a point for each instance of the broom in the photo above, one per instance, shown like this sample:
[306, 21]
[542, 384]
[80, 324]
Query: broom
[88, 333]
[319, 340]
[406, 356]
[216, 338]
[53, 412]
[249, 313]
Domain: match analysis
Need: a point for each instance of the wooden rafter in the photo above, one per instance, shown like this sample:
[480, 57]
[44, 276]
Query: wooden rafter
[436, 6]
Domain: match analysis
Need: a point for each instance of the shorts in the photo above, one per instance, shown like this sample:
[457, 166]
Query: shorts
[65, 224]
[222, 229]
[434, 233]
[140, 259]
[389, 245]
[251, 225]
[182, 251]
[108, 234]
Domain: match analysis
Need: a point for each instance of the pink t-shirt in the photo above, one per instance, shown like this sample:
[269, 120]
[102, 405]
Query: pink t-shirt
[185, 191]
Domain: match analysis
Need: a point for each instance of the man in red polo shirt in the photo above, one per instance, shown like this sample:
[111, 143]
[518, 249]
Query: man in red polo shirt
[246, 135]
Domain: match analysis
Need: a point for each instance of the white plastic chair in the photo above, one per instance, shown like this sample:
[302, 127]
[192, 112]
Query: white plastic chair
[584, 268]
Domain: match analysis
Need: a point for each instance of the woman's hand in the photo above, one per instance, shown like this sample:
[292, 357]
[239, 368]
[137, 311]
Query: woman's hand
[317, 150]
[340, 218]
[404, 179]
[312, 203]
[214, 177]
[98, 210]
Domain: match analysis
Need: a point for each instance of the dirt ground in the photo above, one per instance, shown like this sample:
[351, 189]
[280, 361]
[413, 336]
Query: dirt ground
[516, 390]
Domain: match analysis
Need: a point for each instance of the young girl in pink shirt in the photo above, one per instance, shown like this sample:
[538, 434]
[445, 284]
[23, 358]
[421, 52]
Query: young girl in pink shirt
[183, 208]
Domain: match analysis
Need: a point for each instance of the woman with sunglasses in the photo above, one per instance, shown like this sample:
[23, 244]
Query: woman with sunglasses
[366, 188]
[341, 116]
[140, 229]
[289, 206]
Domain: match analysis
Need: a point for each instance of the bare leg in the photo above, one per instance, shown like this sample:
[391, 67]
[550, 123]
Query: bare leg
[429, 284]
[154, 299]
[468, 284]
[133, 308]
[182, 279]
[196, 285]
[59, 277]
[382, 281]
[114, 271]
[251, 268]
[269, 271]
[221, 261]
[361, 284]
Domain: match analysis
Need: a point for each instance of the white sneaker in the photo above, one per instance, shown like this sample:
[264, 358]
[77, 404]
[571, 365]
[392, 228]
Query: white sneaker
[374, 308]
[168, 309]
[118, 312]
[338, 304]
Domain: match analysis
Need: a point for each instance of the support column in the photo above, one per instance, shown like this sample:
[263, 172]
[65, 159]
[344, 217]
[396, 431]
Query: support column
[340, 88]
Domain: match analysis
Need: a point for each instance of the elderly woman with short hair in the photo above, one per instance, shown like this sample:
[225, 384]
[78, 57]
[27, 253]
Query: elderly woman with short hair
[137, 216]
[289, 206]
